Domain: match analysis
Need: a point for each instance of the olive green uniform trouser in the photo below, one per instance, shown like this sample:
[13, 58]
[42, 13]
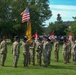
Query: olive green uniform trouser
[15, 62]
[3, 58]
[56, 53]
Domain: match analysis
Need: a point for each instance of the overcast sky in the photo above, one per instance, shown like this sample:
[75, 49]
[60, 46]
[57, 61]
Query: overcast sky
[66, 8]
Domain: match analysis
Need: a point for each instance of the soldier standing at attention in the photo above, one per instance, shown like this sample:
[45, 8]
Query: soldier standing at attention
[72, 48]
[47, 48]
[56, 49]
[16, 50]
[25, 45]
[74, 53]
[3, 50]
[39, 48]
[69, 50]
[64, 51]
[49, 51]
[32, 51]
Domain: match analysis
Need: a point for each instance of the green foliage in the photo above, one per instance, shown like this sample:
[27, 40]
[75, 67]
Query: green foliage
[74, 18]
[58, 28]
[59, 18]
[10, 11]
[72, 29]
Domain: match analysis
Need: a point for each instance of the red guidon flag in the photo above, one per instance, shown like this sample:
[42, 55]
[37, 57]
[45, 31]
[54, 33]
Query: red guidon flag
[25, 15]
[51, 35]
[70, 36]
[36, 36]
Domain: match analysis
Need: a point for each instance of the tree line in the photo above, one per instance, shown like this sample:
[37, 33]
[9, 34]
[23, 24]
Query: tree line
[10, 18]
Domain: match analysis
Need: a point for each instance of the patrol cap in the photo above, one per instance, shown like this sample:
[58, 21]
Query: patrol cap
[39, 38]
[64, 40]
[4, 37]
[45, 37]
[16, 38]
[25, 38]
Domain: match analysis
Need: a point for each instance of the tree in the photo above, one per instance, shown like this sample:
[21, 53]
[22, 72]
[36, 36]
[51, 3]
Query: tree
[10, 11]
[59, 19]
[74, 18]
[5, 17]
[40, 12]
[72, 28]
[58, 28]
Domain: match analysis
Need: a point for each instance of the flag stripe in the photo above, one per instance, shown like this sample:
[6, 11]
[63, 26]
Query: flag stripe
[25, 15]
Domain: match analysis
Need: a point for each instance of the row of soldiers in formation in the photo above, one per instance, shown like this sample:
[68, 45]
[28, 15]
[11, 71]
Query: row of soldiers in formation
[42, 48]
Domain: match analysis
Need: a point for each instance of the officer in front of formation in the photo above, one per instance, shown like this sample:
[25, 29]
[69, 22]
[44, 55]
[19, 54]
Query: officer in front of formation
[3, 50]
[16, 50]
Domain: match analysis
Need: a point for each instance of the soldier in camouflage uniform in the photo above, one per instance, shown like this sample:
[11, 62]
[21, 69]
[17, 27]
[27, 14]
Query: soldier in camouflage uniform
[25, 45]
[3, 50]
[74, 51]
[16, 50]
[56, 49]
[32, 51]
[68, 50]
[39, 48]
[64, 51]
[72, 48]
[74, 54]
[47, 48]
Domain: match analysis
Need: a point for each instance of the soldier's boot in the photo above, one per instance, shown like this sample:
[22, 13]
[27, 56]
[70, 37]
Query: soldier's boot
[24, 64]
[2, 64]
[15, 64]
[74, 63]
[68, 60]
[33, 61]
[45, 65]
[65, 62]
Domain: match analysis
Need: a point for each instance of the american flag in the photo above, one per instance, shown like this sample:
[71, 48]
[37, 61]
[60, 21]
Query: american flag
[25, 15]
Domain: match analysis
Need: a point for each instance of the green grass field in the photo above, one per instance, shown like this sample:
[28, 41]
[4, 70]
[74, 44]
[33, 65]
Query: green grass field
[56, 68]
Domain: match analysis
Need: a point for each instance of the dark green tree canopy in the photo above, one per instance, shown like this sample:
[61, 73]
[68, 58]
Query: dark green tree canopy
[59, 18]
[10, 11]
[58, 28]
[72, 28]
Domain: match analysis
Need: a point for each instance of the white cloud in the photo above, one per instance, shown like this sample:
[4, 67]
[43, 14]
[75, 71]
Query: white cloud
[66, 12]
[63, 7]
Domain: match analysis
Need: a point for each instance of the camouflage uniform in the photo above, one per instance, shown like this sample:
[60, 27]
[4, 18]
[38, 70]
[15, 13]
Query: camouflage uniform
[69, 51]
[16, 52]
[64, 52]
[56, 50]
[3, 51]
[25, 53]
[32, 52]
[39, 48]
[72, 49]
[46, 52]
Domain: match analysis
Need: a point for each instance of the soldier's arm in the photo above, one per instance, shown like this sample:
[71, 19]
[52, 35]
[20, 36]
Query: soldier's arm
[0, 46]
[12, 49]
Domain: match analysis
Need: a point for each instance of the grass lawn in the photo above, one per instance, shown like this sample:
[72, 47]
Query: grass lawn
[56, 68]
